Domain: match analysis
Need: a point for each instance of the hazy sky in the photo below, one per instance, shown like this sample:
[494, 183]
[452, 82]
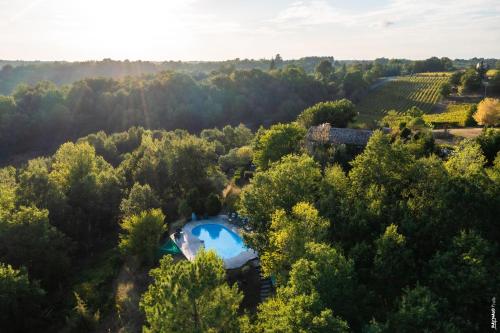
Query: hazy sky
[227, 29]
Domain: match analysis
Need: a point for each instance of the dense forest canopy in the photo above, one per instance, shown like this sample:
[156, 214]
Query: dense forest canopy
[13, 73]
[40, 116]
[399, 236]
[332, 236]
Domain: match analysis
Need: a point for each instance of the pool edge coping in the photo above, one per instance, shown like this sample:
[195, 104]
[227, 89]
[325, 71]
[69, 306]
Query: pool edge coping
[190, 244]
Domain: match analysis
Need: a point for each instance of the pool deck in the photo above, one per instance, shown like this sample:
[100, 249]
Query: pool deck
[190, 244]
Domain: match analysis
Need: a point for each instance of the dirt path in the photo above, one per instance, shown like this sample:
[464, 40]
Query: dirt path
[128, 287]
[454, 135]
[468, 132]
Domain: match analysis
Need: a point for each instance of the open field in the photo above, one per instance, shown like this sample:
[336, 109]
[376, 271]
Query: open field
[401, 94]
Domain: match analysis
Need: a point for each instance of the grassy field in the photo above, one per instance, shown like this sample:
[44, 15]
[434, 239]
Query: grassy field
[401, 94]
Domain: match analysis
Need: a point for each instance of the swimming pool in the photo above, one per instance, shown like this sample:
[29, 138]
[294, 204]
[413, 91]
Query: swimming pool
[226, 243]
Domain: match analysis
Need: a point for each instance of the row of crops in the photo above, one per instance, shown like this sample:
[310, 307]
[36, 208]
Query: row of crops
[401, 94]
[456, 115]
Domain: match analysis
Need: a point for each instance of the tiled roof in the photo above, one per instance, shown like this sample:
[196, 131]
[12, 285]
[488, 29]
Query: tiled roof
[325, 133]
[349, 136]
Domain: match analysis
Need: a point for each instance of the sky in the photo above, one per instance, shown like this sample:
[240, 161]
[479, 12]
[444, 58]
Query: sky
[226, 29]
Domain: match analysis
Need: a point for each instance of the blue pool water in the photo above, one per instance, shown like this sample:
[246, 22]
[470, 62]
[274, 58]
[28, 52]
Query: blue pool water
[223, 241]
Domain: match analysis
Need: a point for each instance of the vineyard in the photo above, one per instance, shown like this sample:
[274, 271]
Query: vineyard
[456, 115]
[400, 94]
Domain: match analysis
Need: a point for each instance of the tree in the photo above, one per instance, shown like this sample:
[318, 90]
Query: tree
[8, 188]
[488, 112]
[20, 301]
[140, 198]
[287, 313]
[195, 201]
[324, 70]
[419, 311]
[392, 258]
[230, 137]
[489, 140]
[375, 185]
[236, 158]
[89, 186]
[470, 81]
[237, 136]
[445, 89]
[142, 233]
[325, 270]
[272, 144]
[288, 235]
[456, 77]
[337, 113]
[213, 204]
[35, 187]
[463, 274]
[318, 285]
[272, 64]
[82, 319]
[191, 296]
[284, 184]
[494, 83]
[184, 210]
[29, 240]
[353, 84]
[467, 160]
[278, 60]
